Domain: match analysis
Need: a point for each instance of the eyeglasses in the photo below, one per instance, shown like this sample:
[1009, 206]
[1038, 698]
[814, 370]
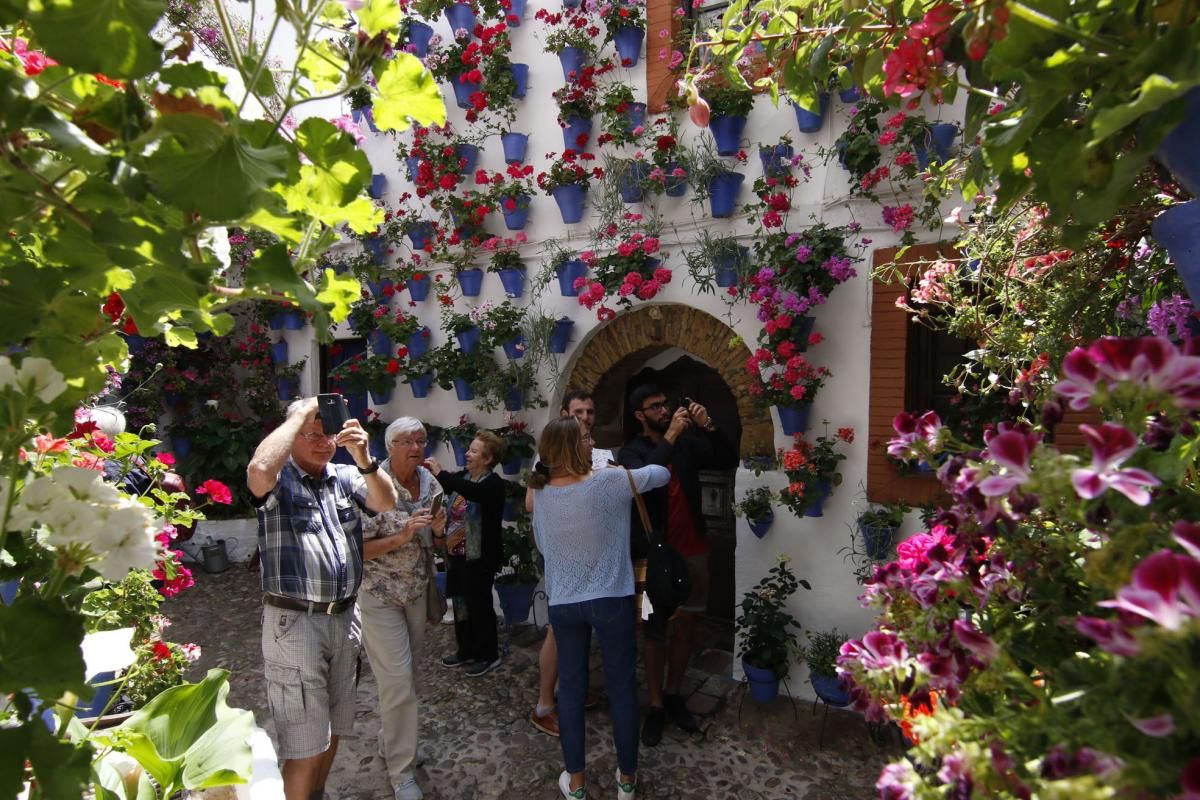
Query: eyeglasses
[659, 406]
[409, 442]
[313, 438]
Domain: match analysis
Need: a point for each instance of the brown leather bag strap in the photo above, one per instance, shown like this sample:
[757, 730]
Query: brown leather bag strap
[641, 506]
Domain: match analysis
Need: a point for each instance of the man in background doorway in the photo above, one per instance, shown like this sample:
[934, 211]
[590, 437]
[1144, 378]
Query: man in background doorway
[685, 440]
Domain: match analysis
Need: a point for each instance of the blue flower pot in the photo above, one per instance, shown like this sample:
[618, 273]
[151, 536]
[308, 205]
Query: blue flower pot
[430, 446]
[470, 281]
[516, 13]
[571, 3]
[420, 235]
[816, 504]
[468, 156]
[1178, 230]
[419, 35]
[674, 186]
[570, 201]
[418, 343]
[516, 600]
[764, 686]
[287, 388]
[630, 181]
[568, 272]
[380, 342]
[877, 542]
[510, 506]
[381, 398]
[376, 248]
[421, 385]
[412, 164]
[439, 578]
[726, 277]
[808, 121]
[512, 467]
[379, 290]
[727, 263]
[1179, 153]
[463, 89]
[294, 320]
[776, 160]
[181, 446]
[468, 340]
[88, 709]
[628, 41]
[515, 145]
[829, 689]
[513, 281]
[364, 115]
[418, 288]
[850, 96]
[722, 193]
[357, 403]
[460, 452]
[760, 527]
[561, 335]
[461, 17]
[941, 137]
[571, 59]
[464, 390]
[516, 218]
[727, 132]
[513, 399]
[515, 347]
[279, 352]
[794, 420]
[378, 186]
[377, 447]
[576, 131]
[520, 75]
[635, 117]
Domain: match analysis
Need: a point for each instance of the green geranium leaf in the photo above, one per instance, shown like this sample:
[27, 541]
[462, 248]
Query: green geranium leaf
[407, 91]
[322, 66]
[334, 13]
[190, 76]
[272, 269]
[1155, 92]
[39, 648]
[341, 169]
[339, 291]
[108, 36]
[379, 15]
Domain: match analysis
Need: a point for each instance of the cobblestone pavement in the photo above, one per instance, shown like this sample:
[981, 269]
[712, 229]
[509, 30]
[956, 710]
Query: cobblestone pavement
[482, 747]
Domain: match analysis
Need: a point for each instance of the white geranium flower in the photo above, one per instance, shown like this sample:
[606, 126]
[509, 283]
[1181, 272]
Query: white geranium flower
[42, 378]
[130, 544]
[8, 375]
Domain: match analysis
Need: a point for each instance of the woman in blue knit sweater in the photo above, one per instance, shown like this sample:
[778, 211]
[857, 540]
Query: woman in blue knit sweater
[581, 523]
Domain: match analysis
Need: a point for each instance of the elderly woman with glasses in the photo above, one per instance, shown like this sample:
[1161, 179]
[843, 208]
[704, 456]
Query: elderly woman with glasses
[398, 553]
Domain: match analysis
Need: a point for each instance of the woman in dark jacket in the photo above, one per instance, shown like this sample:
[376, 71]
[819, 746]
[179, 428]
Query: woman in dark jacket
[475, 550]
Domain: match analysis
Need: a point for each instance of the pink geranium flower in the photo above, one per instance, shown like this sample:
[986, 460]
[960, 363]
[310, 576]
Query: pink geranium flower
[1111, 444]
[1165, 588]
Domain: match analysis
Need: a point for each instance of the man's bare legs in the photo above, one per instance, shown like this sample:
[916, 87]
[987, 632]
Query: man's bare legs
[304, 778]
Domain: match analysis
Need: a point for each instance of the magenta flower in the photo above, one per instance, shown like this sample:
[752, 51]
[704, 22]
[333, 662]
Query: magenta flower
[1111, 636]
[1188, 535]
[1011, 450]
[1158, 727]
[898, 781]
[927, 427]
[1151, 361]
[1165, 588]
[882, 650]
[974, 640]
[1111, 444]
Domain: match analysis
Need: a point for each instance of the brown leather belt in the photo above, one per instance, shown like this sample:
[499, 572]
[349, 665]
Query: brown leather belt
[310, 606]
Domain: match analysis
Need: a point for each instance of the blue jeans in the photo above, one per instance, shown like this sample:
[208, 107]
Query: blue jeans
[612, 620]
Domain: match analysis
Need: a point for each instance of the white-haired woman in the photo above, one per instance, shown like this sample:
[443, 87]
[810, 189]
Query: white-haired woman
[398, 553]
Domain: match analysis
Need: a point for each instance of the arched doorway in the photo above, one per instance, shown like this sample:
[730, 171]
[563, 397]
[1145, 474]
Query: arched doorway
[690, 353]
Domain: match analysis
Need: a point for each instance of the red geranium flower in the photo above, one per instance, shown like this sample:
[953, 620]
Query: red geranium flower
[216, 491]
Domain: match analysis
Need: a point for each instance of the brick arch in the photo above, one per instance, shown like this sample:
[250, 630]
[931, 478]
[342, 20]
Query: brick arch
[655, 327]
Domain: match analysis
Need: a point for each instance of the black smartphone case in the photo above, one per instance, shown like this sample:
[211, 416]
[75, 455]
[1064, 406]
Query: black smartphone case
[333, 411]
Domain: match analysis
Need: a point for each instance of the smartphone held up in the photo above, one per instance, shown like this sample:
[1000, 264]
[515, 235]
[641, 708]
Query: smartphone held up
[333, 412]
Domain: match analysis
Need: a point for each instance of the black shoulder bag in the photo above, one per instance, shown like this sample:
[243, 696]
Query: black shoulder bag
[667, 580]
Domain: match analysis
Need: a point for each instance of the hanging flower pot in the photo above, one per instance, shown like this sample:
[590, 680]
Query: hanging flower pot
[279, 352]
[512, 467]
[418, 287]
[461, 18]
[808, 121]
[513, 281]
[378, 186]
[468, 340]
[570, 201]
[516, 600]
[469, 154]
[850, 96]
[357, 401]
[420, 234]
[1179, 153]
[674, 185]
[801, 328]
[516, 13]
[470, 281]
[520, 76]
[181, 446]
[463, 89]
[568, 272]
[364, 115]
[764, 686]
[515, 347]
[515, 145]
[419, 35]
[727, 132]
[628, 41]
[571, 3]
[418, 343]
[816, 502]
[380, 342]
[513, 399]
[575, 133]
[460, 452]
[380, 290]
[630, 181]
[727, 262]
[412, 164]
[376, 248]
[776, 160]
[381, 397]
[571, 59]
[1178, 230]
[421, 385]
[877, 541]
[464, 390]
[940, 136]
[723, 191]
[561, 335]
[829, 689]
[635, 118]
[294, 320]
[287, 387]
[761, 526]
[516, 211]
[794, 420]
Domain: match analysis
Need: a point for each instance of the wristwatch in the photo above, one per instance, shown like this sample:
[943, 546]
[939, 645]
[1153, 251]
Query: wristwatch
[367, 470]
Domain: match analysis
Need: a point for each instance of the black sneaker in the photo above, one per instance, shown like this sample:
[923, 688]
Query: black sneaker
[450, 662]
[482, 667]
[677, 710]
[652, 728]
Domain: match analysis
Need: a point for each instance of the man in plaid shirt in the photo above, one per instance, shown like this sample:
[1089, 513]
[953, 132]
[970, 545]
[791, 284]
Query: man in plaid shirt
[310, 538]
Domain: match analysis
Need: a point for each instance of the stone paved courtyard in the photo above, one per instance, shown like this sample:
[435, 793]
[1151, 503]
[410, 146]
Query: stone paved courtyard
[482, 747]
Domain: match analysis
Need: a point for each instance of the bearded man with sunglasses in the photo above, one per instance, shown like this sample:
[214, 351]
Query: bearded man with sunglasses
[310, 538]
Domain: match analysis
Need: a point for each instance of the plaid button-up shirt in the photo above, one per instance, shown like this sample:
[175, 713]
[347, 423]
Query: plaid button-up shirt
[310, 534]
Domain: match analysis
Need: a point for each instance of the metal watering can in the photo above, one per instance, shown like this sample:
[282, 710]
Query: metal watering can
[214, 557]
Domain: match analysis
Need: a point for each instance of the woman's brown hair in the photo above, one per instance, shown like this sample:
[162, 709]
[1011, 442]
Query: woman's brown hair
[561, 449]
[493, 446]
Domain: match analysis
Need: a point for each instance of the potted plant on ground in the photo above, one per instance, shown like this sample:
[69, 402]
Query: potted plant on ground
[756, 507]
[878, 526]
[821, 654]
[767, 631]
[519, 575]
[812, 470]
